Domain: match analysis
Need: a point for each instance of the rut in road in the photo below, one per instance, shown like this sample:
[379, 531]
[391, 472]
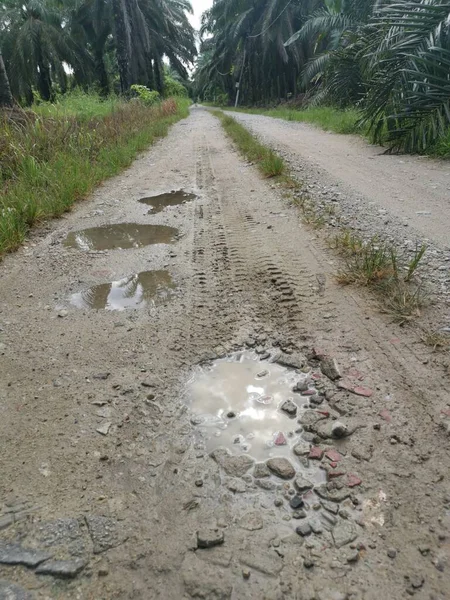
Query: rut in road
[138, 505]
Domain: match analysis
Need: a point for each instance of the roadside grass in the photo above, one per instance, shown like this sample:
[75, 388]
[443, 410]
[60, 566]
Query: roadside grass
[267, 161]
[78, 104]
[372, 263]
[51, 157]
[326, 117]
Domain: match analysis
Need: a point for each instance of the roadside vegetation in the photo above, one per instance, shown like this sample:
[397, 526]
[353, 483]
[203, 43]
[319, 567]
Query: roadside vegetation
[370, 263]
[385, 63]
[55, 156]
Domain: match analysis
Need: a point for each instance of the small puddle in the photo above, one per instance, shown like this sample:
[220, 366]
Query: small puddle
[237, 402]
[120, 236]
[134, 291]
[173, 198]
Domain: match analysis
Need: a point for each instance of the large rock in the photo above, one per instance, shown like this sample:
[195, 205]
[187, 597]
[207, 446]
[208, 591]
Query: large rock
[104, 533]
[13, 554]
[62, 568]
[281, 467]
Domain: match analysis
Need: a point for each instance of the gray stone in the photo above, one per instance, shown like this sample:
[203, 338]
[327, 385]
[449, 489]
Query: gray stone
[328, 520]
[289, 408]
[301, 386]
[13, 554]
[266, 484]
[256, 557]
[208, 537]
[332, 495]
[304, 529]
[235, 466]
[296, 502]
[330, 368]
[316, 525]
[302, 449]
[62, 568]
[392, 552]
[353, 556]
[308, 563]
[296, 360]
[10, 591]
[252, 521]
[104, 533]
[339, 430]
[104, 428]
[302, 484]
[261, 470]
[330, 507]
[299, 514]
[344, 533]
[281, 467]
[236, 485]
[316, 399]
[64, 534]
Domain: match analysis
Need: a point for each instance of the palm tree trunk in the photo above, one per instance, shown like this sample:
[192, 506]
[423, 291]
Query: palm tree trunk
[123, 43]
[100, 72]
[6, 98]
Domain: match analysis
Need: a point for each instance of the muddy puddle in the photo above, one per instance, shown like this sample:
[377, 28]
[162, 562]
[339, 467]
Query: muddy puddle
[237, 402]
[162, 201]
[120, 236]
[135, 291]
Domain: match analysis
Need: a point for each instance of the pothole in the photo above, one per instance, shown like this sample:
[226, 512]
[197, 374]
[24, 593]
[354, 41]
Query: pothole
[248, 405]
[162, 201]
[120, 236]
[134, 291]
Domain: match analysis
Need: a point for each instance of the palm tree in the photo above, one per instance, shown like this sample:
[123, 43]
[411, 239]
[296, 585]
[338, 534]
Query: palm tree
[6, 98]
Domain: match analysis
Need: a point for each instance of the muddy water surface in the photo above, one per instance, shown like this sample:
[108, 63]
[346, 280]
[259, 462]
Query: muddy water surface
[134, 291]
[120, 236]
[237, 403]
[162, 201]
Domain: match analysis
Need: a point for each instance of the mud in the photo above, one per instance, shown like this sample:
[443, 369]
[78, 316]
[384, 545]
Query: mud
[120, 236]
[163, 201]
[134, 291]
[102, 464]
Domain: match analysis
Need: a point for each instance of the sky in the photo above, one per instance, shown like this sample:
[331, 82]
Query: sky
[199, 6]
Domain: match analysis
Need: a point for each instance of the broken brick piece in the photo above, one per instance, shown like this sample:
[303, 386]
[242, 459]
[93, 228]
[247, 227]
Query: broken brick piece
[316, 453]
[333, 455]
[353, 480]
[446, 412]
[385, 414]
[280, 440]
[363, 391]
[334, 474]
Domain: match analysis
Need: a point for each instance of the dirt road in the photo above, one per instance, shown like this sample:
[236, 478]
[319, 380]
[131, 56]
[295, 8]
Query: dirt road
[108, 489]
[414, 189]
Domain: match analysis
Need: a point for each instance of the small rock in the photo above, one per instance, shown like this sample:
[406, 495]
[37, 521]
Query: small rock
[304, 529]
[236, 485]
[316, 526]
[344, 533]
[102, 376]
[353, 480]
[301, 386]
[63, 313]
[333, 455]
[104, 428]
[299, 514]
[280, 440]
[103, 572]
[199, 482]
[207, 538]
[62, 568]
[266, 484]
[246, 573]
[308, 563]
[316, 453]
[289, 408]
[416, 581]
[252, 521]
[339, 430]
[330, 368]
[235, 466]
[353, 557]
[302, 484]
[330, 507]
[392, 552]
[281, 467]
[301, 449]
[278, 502]
[296, 502]
[260, 471]
[13, 554]
[231, 414]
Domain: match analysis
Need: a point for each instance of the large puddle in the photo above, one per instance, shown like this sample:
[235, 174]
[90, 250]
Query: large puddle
[237, 403]
[173, 198]
[134, 291]
[120, 236]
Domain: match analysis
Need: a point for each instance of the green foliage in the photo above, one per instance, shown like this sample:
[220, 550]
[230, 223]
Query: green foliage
[173, 88]
[49, 161]
[148, 97]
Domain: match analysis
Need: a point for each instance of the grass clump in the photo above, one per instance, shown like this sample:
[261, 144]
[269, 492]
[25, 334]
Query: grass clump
[377, 265]
[326, 117]
[53, 156]
[267, 161]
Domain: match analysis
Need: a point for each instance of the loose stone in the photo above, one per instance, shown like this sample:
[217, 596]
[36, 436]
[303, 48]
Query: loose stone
[246, 573]
[13, 554]
[281, 467]
[343, 534]
[308, 563]
[289, 408]
[302, 484]
[330, 368]
[392, 553]
[61, 568]
[339, 430]
[304, 529]
[231, 414]
[301, 449]
[207, 538]
[296, 502]
[261, 470]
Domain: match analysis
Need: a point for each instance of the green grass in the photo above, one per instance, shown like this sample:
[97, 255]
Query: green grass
[51, 157]
[328, 118]
[78, 104]
[267, 161]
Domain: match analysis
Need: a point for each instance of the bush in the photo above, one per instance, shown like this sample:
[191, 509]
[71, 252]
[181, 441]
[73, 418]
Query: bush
[172, 87]
[145, 95]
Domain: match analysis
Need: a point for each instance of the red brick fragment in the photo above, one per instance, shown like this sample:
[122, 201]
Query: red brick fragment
[333, 464]
[446, 412]
[355, 374]
[319, 353]
[385, 414]
[353, 480]
[309, 393]
[280, 440]
[323, 412]
[333, 455]
[316, 453]
[334, 474]
[363, 391]
[316, 376]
